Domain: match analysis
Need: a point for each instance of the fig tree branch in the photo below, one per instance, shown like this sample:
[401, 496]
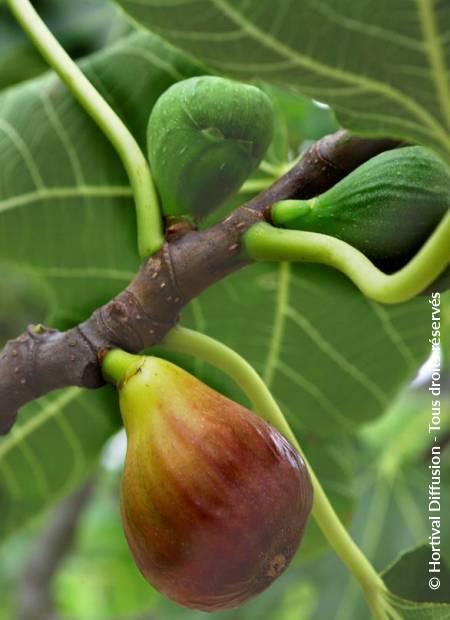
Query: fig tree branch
[41, 359]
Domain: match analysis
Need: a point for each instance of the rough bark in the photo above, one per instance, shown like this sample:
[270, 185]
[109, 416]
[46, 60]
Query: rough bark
[41, 359]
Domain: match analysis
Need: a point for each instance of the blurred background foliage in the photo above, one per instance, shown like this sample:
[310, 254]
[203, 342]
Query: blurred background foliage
[95, 578]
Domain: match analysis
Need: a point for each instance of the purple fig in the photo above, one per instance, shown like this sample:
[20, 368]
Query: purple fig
[214, 500]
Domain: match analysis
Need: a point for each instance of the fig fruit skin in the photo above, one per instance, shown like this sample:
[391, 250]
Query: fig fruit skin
[214, 501]
[386, 208]
[205, 136]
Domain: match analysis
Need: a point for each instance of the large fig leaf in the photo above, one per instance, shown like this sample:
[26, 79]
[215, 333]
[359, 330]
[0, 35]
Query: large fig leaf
[333, 358]
[392, 516]
[51, 450]
[66, 210]
[67, 236]
[82, 27]
[383, 68]
[408, 580]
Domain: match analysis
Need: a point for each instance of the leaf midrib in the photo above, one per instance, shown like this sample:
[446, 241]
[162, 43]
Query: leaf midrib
[281, 304]
[434, 52]
[303, 61]
[37, 420]
[75, 191]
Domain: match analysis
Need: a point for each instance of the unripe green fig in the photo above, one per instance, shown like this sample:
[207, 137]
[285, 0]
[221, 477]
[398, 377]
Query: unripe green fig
[205, 136]
[387, 207]
[214, 500]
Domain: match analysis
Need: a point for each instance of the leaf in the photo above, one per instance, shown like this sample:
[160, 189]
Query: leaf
[333, 359]
[306, 120]
[53, 447]
[408, 577]
[112, 585]
[413, 611]
[410, 593]
[383, 70]
[391, 482]
[23, 300]
[66, 209]
[80, 26]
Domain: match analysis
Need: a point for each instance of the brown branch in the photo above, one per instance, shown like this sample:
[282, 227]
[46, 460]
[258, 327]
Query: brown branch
[35, 594]
[42, 360]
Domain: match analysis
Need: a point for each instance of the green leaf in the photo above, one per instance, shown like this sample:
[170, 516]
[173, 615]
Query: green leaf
[425, 611]
[391, 483]
[333, 359]
[383, 70]
[101, 560]
[80, 26]
[410, 593]
[408, 577]
[66, 209]
[53, 447]
[305, 120]
[23, 300]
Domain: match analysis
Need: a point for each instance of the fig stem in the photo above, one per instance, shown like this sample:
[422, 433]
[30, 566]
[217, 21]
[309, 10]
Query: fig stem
[267, 243]
[116, 364]
[217, 354]
[149, 220]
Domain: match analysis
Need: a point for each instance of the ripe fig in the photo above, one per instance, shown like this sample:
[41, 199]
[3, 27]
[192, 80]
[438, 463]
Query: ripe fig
[214, 500]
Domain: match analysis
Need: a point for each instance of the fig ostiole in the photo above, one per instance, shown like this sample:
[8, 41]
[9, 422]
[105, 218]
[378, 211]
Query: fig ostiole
[205, 136]
[214, 500]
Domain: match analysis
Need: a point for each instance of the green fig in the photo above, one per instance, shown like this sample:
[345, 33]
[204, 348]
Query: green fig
[214, 500]
[386, 208]
[205, 136]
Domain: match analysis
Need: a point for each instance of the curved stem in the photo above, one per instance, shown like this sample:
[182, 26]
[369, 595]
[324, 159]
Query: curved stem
[267, 243]
[232, 364]
[149, 223]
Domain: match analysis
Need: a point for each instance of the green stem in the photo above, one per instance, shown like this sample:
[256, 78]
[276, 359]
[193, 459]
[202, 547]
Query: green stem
[254, 186]
[268, 168]
[149, 224]
[267, 243]
[116, 364]
[232, 364]
[274, 173]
